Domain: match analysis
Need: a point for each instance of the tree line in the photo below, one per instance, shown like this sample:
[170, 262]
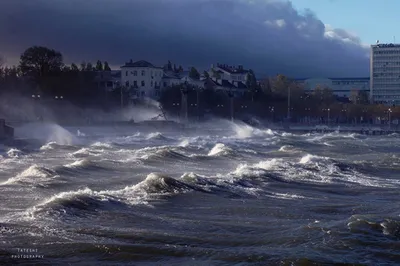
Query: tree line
[42, 71]
[279, 98]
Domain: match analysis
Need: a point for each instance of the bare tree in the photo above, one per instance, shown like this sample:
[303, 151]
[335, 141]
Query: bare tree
[1, 61]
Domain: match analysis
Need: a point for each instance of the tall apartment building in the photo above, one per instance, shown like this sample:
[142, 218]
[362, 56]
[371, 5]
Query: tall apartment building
[385, 73]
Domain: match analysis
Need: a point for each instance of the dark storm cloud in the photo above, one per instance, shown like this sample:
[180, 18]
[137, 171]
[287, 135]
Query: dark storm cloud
[267, 35]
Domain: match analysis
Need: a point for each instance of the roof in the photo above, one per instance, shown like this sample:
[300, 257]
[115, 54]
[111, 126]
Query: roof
[364, 79]
[241, 85]
[344, 79]
[232, 69]
[226, 84]
[141, 63]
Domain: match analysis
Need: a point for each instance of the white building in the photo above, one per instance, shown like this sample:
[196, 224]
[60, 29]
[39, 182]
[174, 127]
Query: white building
[341, 87]
[385, 73]
[142, 78]
[231, 74]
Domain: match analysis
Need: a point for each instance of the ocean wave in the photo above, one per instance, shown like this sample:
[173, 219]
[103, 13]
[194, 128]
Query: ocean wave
[157, 136]
[85, 164]
[151, 188]
[161, 153]
[52, 145]
[102, 145]
[367, 224]
[86, 152]
[37, 176]
[287, 148]
[221, 149]
[309, 169]
[14, 153]
[246, 131]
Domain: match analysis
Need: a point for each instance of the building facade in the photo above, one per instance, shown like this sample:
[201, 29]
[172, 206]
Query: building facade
[108, 80]
[341, 87]
[232, 74]
[385, 73]
[142, 78]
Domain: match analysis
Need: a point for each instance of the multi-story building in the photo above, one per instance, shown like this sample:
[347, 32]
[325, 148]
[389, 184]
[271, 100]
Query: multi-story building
[232, 74]
[229, 78]
[108, 80]
[142, 78]
[341, 87]
[385, 73]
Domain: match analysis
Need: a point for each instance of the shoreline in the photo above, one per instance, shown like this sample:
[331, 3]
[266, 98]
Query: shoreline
[367, 129]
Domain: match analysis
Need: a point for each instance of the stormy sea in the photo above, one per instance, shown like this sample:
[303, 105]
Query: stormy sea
[211, 194]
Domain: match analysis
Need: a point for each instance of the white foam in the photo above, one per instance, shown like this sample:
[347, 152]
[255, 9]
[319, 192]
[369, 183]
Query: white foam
[219, 149]
[34, 175]
[14, 153]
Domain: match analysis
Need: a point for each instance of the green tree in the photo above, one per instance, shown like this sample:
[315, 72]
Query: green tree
[83, 66]
[38, 63]
[279, 85]
[89, 67]
[99, 66]
[106, 66]
[205, 74]
[354, 96]
[194, 74]
[251, 83]
[363, 97]
[180, 69]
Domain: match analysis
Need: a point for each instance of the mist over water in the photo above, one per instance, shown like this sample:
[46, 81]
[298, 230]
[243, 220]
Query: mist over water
[213, 194]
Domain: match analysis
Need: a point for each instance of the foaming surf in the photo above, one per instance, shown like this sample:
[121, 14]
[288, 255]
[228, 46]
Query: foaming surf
[263, 193]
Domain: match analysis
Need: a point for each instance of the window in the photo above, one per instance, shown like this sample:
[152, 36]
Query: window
[165, 84]
[143, 84]
[126, 73]
[127, 84]
[151, 84]
[135, 83]
[143, 72]
[135, 73]
[143, 93]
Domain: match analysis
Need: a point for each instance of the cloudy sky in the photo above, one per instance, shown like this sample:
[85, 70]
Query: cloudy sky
[270, 36]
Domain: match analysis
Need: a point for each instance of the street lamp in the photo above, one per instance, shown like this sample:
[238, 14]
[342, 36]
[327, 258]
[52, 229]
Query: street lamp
[184, 103]
[198, 89]
[345, 114]
[364, 116]
[390, 120]
[36, 108]
[272, 110]
[308, 114]
[329, 113]
[231, 95]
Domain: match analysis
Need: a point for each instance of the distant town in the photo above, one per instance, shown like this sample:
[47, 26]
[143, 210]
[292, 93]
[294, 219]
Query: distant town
[222, 90]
